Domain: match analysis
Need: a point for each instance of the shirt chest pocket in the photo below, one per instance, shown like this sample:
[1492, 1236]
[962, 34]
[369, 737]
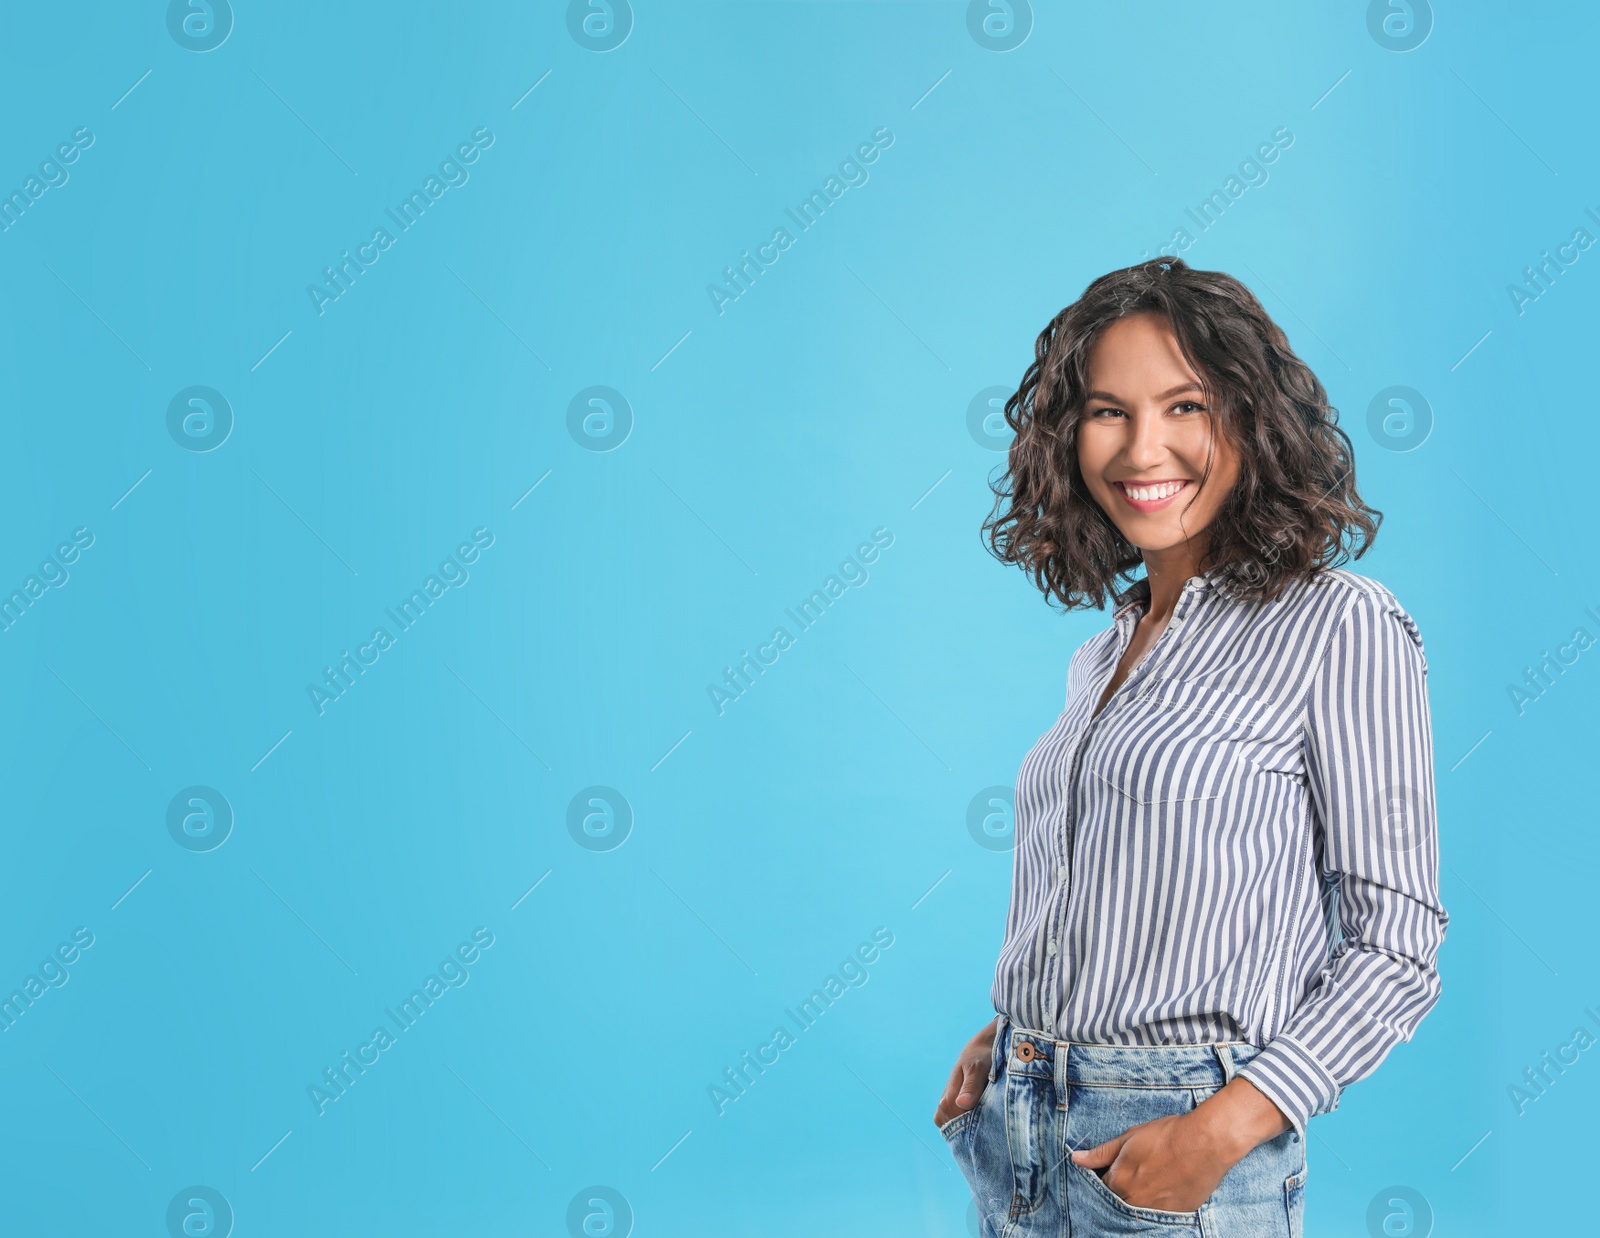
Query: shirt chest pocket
[1177, 743]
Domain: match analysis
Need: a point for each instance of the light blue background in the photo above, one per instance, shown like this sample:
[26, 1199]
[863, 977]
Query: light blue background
[768, 442]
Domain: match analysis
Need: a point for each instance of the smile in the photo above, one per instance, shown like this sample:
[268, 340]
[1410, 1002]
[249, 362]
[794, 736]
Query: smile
[1151, 496]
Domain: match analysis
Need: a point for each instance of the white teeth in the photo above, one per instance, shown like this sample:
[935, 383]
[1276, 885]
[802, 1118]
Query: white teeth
[1149, 494]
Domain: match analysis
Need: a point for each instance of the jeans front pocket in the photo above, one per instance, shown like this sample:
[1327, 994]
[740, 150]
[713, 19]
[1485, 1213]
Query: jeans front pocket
[952, 1130]
[1111, 1214]
[977, 1140]
[1099, 1113]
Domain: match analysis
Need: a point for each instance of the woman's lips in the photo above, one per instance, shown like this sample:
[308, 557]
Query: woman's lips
[1178, 486]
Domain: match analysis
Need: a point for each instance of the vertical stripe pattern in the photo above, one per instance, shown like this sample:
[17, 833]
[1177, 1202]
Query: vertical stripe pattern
[1242, 845]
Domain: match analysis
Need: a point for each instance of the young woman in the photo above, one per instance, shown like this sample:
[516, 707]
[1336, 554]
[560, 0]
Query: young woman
[1225, 900]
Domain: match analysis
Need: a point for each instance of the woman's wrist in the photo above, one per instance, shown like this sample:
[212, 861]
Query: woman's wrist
[1239, 1117]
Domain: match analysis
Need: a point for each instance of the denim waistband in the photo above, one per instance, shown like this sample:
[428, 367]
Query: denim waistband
[1023, 1051]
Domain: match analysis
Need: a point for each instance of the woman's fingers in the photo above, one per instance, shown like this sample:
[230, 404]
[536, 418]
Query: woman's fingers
[1101, 1155]
[972, 1084]
[963, 1091]
[947, 1102]
[968, 1079]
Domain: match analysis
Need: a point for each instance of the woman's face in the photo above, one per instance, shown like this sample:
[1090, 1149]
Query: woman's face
[1146, 435]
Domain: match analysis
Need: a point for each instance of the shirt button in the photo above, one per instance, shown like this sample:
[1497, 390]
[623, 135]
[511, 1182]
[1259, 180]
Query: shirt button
[1063, 873]
[1051, 948]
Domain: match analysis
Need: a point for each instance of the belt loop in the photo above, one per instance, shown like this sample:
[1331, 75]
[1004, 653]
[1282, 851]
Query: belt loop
[1225, 1059]
[997, 1054]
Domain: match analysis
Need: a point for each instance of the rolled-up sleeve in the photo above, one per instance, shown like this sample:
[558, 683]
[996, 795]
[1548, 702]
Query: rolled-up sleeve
[1369, 761]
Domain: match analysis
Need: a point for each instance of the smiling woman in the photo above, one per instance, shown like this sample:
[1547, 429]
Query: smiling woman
[1244, 760]
[1290, 509]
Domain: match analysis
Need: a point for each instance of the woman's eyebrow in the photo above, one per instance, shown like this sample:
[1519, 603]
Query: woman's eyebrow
[1165, 395]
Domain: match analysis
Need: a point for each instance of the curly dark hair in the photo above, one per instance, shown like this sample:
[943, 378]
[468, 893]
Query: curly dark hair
[1295, 506]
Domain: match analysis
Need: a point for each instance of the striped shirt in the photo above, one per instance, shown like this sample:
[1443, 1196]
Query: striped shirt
[1242, 845]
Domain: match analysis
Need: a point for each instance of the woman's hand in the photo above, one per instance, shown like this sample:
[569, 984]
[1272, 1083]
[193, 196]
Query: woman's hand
[969, 1078]
[1175, 1163]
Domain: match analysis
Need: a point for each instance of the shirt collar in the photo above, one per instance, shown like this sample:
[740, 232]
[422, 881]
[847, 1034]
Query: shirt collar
[1138, 593]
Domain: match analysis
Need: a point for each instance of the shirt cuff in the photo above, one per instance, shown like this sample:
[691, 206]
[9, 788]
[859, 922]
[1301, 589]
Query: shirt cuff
[1288, 1075]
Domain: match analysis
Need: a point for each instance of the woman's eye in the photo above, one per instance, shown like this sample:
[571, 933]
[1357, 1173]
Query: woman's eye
[1184, 406]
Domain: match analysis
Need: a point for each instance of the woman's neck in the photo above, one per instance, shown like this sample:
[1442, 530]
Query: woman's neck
[1168, 572]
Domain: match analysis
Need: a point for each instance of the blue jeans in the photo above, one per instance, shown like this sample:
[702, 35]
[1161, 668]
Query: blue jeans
[1046, 1098]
